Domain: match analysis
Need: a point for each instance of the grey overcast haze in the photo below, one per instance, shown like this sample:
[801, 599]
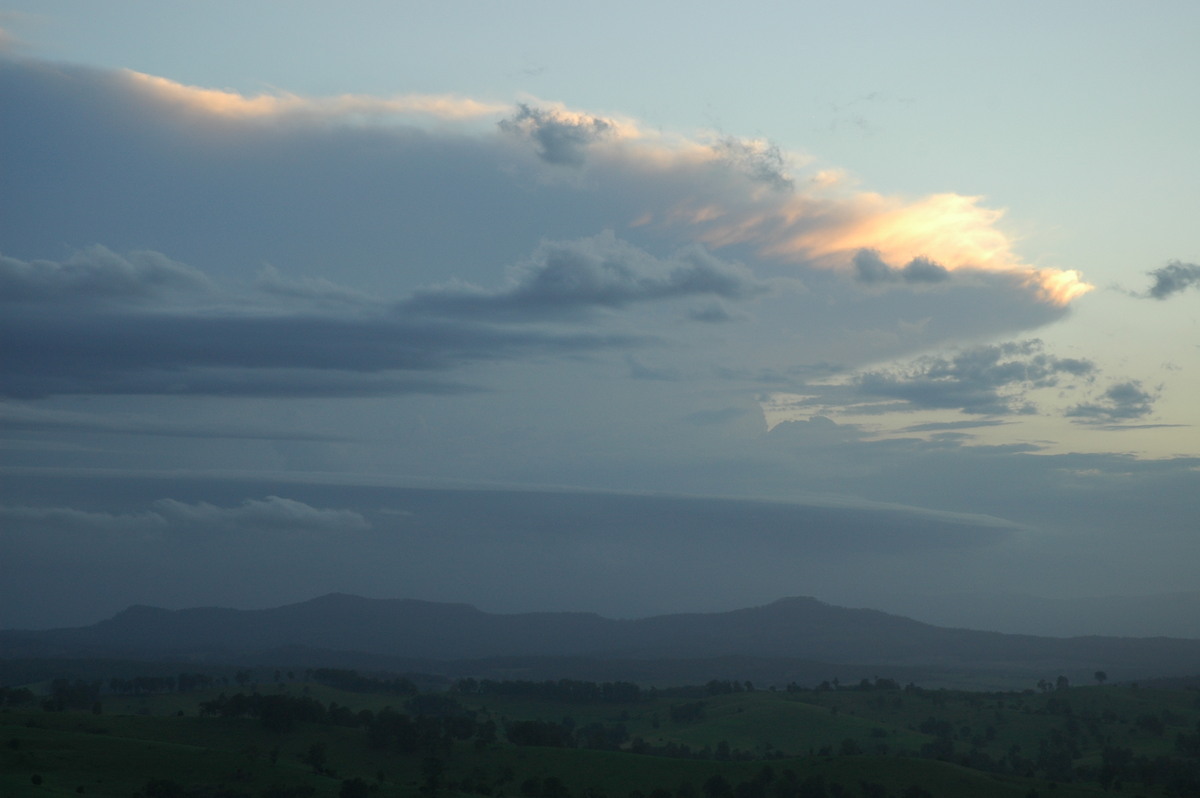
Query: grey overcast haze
[628, 309]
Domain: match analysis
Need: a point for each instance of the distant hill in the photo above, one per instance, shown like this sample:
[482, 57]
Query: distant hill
[339, 627]
[1158, 615]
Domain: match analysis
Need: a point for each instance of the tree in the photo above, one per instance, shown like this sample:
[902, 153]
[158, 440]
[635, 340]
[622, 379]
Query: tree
[432, 769]
[315, 756]
[716, 786]
[1101, 677]
[354, 788]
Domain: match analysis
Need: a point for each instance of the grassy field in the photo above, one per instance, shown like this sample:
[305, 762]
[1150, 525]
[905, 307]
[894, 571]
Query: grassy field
[876, 743]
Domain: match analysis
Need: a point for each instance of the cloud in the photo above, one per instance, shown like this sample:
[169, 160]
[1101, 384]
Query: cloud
[566, 278]
[397, 204]
[96, 274]
[709, 418]
[317, 289]
[640, 371]
[562, 138]
[405, 255]
[8, 42]
[1123, 401]
[869, 267]
[986, 380]
[21, 416]
[712, 313]
[167, 517]
[1173, 278]
[231, 105]
[229, 343]
[271, 513]
[944, 426]
[761, 160]
[830, 229]
[39, 521]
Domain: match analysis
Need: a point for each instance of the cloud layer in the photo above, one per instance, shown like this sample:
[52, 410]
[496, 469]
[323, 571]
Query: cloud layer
[86, 325]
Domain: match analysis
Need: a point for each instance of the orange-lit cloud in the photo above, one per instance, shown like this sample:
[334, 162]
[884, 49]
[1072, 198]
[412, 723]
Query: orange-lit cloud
[952, 230]
[231, 104]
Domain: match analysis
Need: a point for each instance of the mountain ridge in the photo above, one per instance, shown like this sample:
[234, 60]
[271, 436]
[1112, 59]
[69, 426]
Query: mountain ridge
[792, 628]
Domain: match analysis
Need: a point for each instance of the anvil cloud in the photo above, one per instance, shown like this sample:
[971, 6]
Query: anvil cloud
[535, 355]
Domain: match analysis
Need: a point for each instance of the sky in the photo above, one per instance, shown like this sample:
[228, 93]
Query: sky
[622, 309]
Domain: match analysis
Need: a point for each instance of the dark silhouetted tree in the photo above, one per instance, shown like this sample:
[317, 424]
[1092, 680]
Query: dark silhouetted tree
[354, 788]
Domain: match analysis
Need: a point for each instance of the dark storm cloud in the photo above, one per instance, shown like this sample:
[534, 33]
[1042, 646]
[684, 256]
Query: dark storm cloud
[254, 355]
[1123, 401]
[870, 268]
[987, 380]
[229, 345]
[561, 138]
[567, 278]
[1176, 276]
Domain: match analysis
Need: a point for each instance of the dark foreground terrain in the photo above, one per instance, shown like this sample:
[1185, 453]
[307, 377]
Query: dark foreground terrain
[275, 733]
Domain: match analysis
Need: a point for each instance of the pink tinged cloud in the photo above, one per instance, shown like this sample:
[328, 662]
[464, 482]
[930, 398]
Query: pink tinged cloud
[231, 104]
